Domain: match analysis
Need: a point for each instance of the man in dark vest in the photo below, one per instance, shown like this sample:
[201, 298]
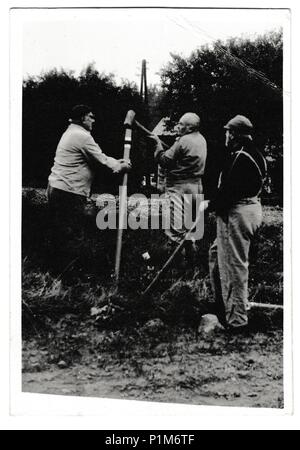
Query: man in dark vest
[239, 215]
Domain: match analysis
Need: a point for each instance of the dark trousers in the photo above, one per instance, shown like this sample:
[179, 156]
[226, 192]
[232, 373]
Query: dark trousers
[67, 222]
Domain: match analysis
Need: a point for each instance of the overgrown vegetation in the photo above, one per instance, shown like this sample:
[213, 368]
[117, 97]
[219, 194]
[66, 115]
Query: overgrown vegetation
[86, 288]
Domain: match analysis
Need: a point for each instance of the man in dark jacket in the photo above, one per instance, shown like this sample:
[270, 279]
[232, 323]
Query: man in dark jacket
[239, 215]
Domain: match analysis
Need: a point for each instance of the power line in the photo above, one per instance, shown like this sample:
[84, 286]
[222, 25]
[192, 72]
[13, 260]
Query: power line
[232, 59]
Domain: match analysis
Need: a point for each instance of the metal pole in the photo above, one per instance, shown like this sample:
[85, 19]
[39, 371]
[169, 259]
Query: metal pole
[168, 262]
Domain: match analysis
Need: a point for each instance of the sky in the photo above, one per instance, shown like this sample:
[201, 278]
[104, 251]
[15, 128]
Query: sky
[116, 40]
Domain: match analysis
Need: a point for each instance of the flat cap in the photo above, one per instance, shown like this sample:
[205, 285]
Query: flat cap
[239, 123]
[79, 111]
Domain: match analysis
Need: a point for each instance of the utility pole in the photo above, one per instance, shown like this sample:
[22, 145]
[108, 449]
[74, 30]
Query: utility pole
[144, 89]
[144, 97]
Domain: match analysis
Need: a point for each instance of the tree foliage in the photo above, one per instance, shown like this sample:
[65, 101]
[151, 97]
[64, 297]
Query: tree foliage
[217, 81]
[47, 101]
[240, 76]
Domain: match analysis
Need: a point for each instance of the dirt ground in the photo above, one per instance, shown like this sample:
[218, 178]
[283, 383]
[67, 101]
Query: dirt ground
[243, 371]
[129, 350]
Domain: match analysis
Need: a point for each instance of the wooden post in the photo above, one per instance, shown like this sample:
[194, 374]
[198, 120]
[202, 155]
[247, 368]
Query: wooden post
[123, 195]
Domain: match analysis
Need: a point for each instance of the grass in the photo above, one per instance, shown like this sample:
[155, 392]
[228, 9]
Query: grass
[178, 299]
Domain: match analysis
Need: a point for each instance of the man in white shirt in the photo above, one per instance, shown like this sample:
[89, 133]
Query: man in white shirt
[75, 154]
[71, 178]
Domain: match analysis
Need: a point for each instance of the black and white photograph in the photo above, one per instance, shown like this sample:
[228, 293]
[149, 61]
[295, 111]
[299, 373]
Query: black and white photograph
[149, 159]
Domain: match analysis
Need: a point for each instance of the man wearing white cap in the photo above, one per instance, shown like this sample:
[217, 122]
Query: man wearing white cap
[239, 215]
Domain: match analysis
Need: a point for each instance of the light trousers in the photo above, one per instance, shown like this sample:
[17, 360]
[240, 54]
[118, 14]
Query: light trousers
[229, 261]
[182, 201]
